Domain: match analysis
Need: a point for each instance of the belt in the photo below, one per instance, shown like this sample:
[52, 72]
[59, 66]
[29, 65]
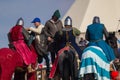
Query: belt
[95, 40]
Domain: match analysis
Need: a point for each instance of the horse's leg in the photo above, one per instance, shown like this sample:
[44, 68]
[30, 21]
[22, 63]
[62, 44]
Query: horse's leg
[56, 77]
[71, 66]
[19, 75]
[66, 70]
[75, 67]
[89, 76]
[60, 64]
[25, 76]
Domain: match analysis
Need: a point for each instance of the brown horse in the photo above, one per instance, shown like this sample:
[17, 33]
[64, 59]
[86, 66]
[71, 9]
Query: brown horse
[112, 41]
[10, 60]
[65, 66]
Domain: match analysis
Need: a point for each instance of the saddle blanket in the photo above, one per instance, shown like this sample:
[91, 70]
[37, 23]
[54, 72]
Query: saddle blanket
[94, 61]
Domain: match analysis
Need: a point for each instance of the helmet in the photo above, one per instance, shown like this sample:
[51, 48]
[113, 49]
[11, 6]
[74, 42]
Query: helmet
[96, 19]
[57, 14]
[20, 22]
[68, 21]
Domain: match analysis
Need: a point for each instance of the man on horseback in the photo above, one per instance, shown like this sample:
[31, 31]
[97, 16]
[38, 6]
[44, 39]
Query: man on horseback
[40, 41]
[65, 41]
[18, 38]
[94, 34]
[51, 27]
[67, 36]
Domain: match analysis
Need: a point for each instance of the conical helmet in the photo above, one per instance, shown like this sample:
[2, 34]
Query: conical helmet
[20, 21]
[96, 19]
[68, 21]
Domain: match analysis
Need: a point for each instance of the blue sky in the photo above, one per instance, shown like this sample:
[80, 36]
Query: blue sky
[11, 10]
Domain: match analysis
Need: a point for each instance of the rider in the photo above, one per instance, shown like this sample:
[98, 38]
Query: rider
[67, 36]
[94, 34]
[40, 45]
[65, 39]
[51, 27]
[18, 37]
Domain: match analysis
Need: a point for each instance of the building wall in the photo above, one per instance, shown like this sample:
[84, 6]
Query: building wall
[83, 11]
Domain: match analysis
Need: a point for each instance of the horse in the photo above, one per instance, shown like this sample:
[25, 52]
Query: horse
[115, 64]
[112, 41]
[65, 65]
[94, 64]
[10, 60]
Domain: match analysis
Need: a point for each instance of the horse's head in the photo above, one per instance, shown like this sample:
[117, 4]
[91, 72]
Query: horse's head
[112, 40]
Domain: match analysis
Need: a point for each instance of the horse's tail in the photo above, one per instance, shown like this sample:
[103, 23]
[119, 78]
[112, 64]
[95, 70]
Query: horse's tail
[70, 65]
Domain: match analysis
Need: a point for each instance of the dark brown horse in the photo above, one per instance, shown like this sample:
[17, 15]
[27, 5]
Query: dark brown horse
[67, 67]
[112, 41]
[10, 60]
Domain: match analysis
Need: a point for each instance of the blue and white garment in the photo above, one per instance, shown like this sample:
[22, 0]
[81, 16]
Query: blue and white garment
[94, 61]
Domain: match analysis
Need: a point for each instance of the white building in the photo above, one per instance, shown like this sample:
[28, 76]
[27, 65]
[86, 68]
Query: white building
[83, 11]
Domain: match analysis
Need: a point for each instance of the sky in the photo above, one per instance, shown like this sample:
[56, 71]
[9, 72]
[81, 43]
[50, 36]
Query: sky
[12, 10]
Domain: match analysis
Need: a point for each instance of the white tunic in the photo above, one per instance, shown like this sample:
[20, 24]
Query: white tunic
[37, 31]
